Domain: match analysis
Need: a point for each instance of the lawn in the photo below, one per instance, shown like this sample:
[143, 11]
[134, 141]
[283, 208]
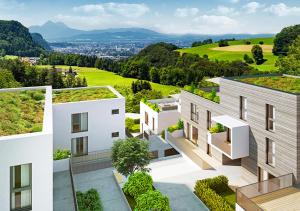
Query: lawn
[96, 77]
[232, 53]
[230, 197]
[75, 95]
[21, 112]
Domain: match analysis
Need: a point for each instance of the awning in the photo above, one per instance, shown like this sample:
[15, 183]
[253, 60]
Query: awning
[229, 122]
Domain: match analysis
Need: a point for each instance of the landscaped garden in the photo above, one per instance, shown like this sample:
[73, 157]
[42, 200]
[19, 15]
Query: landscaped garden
[153, 106]
[282, 83]
[215, 193]
[178, 126]
[89, 201]
[133, 125]
[212, 96]
[84, 94]
[21, 112]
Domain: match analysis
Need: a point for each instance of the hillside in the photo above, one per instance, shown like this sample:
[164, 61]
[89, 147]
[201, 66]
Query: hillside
[15, 39]
[38, 38]
[236, 51]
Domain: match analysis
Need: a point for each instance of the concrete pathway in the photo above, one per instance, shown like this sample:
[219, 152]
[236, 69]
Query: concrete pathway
[102, 180]
[62, 192]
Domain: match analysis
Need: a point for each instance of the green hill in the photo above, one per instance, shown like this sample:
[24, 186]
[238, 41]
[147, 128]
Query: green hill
[15, 39]
[236, 51]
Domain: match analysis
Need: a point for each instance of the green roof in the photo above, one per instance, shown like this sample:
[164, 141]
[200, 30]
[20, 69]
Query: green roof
[82, 94]
[281, 83]
[21, 112]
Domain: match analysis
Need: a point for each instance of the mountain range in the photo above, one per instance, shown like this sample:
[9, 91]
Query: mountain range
[60, 32]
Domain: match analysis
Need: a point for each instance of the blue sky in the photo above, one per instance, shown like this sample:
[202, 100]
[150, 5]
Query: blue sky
[168, 16]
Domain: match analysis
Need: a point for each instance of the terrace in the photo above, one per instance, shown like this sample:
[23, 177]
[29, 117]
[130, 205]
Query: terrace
[285, 83]
[83, 94]
[167, 104]
[21, 111]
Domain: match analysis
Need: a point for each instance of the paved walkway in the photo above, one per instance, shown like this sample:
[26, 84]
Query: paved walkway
[62, 192]
[102, 180]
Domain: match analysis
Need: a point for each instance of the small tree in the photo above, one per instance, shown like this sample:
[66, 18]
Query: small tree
[258, 55]
[261, 42]
[152, 200]
[248, 59]
[223, 43]
[130, 155]
[138, 183]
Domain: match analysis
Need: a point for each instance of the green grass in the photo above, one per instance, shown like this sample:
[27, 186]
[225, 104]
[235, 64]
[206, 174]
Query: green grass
[96, 77]
[269, 65]
[229, 196]
[21, 112]
[282, 83]
[10, 57]
[85, 94]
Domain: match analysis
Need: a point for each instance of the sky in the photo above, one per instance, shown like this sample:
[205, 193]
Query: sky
[166, 16]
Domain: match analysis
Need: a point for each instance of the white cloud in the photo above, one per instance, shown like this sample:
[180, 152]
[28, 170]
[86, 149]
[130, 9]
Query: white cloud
[234, 1]
[122, 9]
[252, 7]
[215, 20]
[186, 12]
[223, 10]
[282, 9]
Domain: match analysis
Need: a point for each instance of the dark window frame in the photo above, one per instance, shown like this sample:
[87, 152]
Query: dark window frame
[208, 120]
[115, 111]
[80, 116]
[194, 113]
[115, 136]
[146, 118]
[270, 121]
[270, 155]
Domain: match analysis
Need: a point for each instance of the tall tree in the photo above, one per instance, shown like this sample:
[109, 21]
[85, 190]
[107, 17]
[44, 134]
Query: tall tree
[258, 54]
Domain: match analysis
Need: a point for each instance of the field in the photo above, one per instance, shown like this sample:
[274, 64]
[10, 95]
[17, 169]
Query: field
[236, 51]
[96, 77]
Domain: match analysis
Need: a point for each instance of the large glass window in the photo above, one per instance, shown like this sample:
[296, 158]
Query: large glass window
[270, 117]
[243, 108]
[79, 146]
[194, 113]
[79, 122]
[270, 152]
[208, 120]
[21, 187]
[146, 118]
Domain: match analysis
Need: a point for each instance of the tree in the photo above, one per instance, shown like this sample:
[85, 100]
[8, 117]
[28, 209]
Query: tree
[284, 39]
[138, 183]
[261, 42]
[130, 155]
[7, 79]
[154, 74]
[291, 63]
[223, 43]
[139, 85]
[258, 55]
[248, 59]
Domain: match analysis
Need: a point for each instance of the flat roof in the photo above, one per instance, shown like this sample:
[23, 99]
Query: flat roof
[21, 111]
[83, 94]
[229, 121]
[285, 83]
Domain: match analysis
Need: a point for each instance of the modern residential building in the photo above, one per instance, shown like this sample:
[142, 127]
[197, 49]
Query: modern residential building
[158, 115]
[87, 119]
[26, 149]
[258, 120]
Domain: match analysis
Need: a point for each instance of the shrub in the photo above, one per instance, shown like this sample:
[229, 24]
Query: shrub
[89, 201]
[210, 198]
[261, 42]
[138, 183]
[163, 134]
[61, 154]
[248, 59]
[218, 128]
[152, 200]
[132, 126]
[212, 96]
[219, 184]
[153, 106]
[247, 42]
[180, 124]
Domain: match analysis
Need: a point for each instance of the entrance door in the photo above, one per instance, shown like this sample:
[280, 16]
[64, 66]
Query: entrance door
[80, 146]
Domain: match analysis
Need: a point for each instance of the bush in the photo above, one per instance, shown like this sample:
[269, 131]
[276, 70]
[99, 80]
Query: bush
[248, 59]
[133, 125]
[89, 201]
[219, 184]
[61, 154]
[247, 42]
[178, 126]
[223, 43]
[152, 200]
[210, 198]
[163, 134]
[261, 42]
[154, 107]
[218, 128]
[212, 96]
[138, 183]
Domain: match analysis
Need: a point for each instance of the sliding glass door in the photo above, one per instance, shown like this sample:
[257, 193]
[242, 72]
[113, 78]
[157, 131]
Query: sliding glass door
[80, 146]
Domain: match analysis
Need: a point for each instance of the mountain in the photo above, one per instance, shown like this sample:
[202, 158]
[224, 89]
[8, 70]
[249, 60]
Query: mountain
[38, 39]
[59, 32]
[15, 39]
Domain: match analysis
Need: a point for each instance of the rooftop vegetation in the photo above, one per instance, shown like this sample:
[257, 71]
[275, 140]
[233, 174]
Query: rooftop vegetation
[75, 95]
[153, 106]
[21, 112]
[212, 96]
[282, 83]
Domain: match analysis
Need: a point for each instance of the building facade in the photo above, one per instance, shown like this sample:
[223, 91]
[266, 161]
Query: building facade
[260, 127]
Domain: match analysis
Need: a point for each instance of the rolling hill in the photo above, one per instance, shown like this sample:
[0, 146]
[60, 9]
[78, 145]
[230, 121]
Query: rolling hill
[236, 51]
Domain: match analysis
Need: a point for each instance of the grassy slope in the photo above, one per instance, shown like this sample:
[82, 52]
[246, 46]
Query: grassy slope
[231, 56]
[96, 77]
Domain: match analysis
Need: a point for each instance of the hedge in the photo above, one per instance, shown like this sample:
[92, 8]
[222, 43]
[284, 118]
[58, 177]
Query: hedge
[219, 184]
[61, 154]
[178, 126]
[152, 200]
[138, 183]
[89, 201]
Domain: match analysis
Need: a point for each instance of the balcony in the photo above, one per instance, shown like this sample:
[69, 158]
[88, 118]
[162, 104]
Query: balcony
[232, 138]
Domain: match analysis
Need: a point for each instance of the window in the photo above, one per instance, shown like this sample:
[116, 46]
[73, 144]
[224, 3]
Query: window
[146, 118]
[79, 122]
[270, 117]
[153, 124]
[20, 184]
[243, 108]
[208, 120]
[115, 134]
[270, 152]
[79, 146]
[194, 113]
[115, 111]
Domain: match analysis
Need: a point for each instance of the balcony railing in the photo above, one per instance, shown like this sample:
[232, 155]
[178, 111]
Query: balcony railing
[246, 194]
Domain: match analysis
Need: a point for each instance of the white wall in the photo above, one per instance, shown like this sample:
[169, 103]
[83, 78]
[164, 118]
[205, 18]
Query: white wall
[167, 118]
[61, 165]
[240, 142]
[101, 123]
[151, 114]
[35, 149]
